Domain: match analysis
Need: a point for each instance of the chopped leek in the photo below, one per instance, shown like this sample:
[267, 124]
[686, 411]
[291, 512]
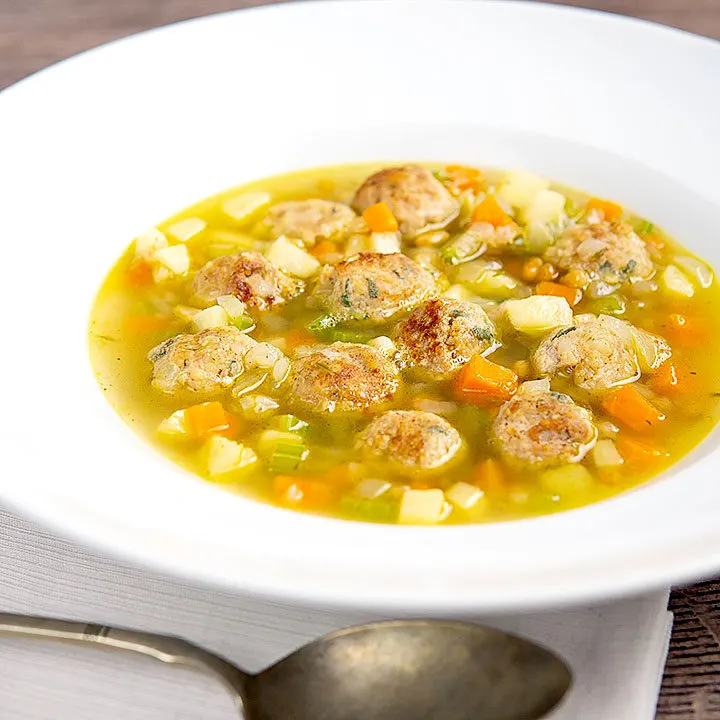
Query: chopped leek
[382, 509]
[289, 423]
[326, 328]
[285, 451]
[291, 259]
[609, 305]
[464, 247]
[675, 282]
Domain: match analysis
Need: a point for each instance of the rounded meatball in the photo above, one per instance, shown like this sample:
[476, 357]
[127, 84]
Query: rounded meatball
[543, 428]
[373, 287]
[608, 251]
[309, 220]
[249, 277]
[441, 335]
[207, 362]
[597, 351]
[342, 378]
[410, 440]
[418, 200]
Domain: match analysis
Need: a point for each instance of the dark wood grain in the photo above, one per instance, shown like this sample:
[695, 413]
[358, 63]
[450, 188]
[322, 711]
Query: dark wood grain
[36, 33]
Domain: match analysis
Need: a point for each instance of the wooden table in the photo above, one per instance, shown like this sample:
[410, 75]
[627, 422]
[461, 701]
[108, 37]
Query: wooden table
[35, 33]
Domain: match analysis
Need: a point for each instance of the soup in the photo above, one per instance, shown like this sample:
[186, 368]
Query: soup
[412, 344]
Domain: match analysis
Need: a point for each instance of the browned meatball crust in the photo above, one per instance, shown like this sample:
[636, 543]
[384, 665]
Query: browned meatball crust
[309, 220]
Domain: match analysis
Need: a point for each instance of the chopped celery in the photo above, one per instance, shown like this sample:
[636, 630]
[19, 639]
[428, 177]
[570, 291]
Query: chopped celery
[464, 247]
[285, 451]
[644, 227]
[382, 509]
[243, 322]
[289, 423]
[326, 328]
[609, 305]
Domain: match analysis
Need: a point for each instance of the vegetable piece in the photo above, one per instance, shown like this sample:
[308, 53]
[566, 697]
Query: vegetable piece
[677, 283]
[639, 454]
[686, 331]
[146, 324]
[651, 350]
[609, 305]
[175, 258]
[386, 243]
[547, 206]
[384, 344]
[323, 248]
[372, 488]
[211, 317]
[291, 259]
[464, 247]
[285, 451]
[304, 493]
[327, 328]
[567, 480]
[483, 382]
[422, 506]
[380, 219]
[696, 270]
[572, 295]
[628, 406]
[380, 509]
[490, 477]
[464, 496]
[538, 238]
[243, 208]
[490, 211]
[256, 407]
[206, 418]
[538, 314]
[187, 229]
[148, 242]
[224, 456]
[494, 284]
[139, 274]
[233, 306]
[289, 423]
[462, 178]
[174, 424]
[605, 454]
[521, 188]
[262, 355]
[673, 380]
[609, 210]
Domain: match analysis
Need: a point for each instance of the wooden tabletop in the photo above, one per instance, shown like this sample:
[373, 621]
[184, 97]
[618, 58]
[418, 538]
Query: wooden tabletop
[35, 33]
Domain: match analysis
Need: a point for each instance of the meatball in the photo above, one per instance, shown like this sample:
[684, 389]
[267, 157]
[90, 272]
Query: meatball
[309, 220]
[441, 335]
[205, 363]
[417, 199]
[543, 428]
[608, 251]
[373, 287]
[410, 440]
[597, 351]
[249, 277]
[343, 378]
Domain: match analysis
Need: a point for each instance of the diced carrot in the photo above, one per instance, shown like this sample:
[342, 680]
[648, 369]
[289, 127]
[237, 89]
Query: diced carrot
[304, 493]
[610, 210]
[685, 331]
[379, 218]
[638, 454]
[483, 382]
[324, 247]
[234, 425]
[298, 337]
[206, 418]
[490, 477]
[139, 274]
[147, 324]
[627, 405]
[465, 171]
[672, 380]
[464, 178]
[490, 211]
[420, 485]
[572, 295]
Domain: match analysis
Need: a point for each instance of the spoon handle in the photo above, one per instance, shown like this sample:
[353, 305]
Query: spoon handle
[166, 649]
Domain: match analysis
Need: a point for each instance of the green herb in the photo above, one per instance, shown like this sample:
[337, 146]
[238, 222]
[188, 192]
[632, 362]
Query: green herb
[483, 334]
[326, 328]
[373, 291]
[437, 429]
[564, 331]
[644, 227]
[345, 297]
[632, 264]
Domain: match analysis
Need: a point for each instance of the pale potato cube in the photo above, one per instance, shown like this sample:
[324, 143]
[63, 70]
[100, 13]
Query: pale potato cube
[243, 208]
[520, 188]
[547, 206]
[538, 314]
[175, 258]
[185, 230]
[224, 456]
[422, 506]
[211, 317]
[291, 259]
[464, 495]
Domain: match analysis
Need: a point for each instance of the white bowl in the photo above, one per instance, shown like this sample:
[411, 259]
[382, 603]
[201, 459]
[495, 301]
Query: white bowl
[97, 148]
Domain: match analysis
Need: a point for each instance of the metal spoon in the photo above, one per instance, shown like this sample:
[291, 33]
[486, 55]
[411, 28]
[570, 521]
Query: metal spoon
[409, 670]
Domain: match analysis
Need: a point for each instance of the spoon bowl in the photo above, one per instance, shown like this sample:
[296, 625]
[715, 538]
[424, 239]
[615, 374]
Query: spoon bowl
[400, 670]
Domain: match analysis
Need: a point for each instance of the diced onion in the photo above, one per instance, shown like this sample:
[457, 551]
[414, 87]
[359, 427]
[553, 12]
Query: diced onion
[248, 382]
[386, 243]
[263, 355]
[675, 282]
[464, 495]
[280, 370]
[255, 406]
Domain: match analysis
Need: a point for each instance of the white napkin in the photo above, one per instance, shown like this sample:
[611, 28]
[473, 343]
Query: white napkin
[617, 651]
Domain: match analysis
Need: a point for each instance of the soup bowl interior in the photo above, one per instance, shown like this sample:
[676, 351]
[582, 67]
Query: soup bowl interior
[100, 147]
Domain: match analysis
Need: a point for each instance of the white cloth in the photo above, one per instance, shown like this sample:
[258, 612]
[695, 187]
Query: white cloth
[617, 651]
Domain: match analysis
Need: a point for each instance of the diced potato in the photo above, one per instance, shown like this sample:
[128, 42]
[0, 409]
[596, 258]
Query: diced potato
[175, 258]
[675, 282]
[160, 273]
[291, 259]
[372, 488]
[652, 351]
[606, 455]
[187, 229]
[148, 242]
[496, 285]
[521, 188]
[538, 314]
[254, 407]
[547, 206]
[224, 456]
[173, 424]
[385, 243]
[567, 480]
[211, 317]
[534, 386]
[231, 305]
[464, 495]
[185, 313]
[243, 208]
[422, 506]
[696, 270]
